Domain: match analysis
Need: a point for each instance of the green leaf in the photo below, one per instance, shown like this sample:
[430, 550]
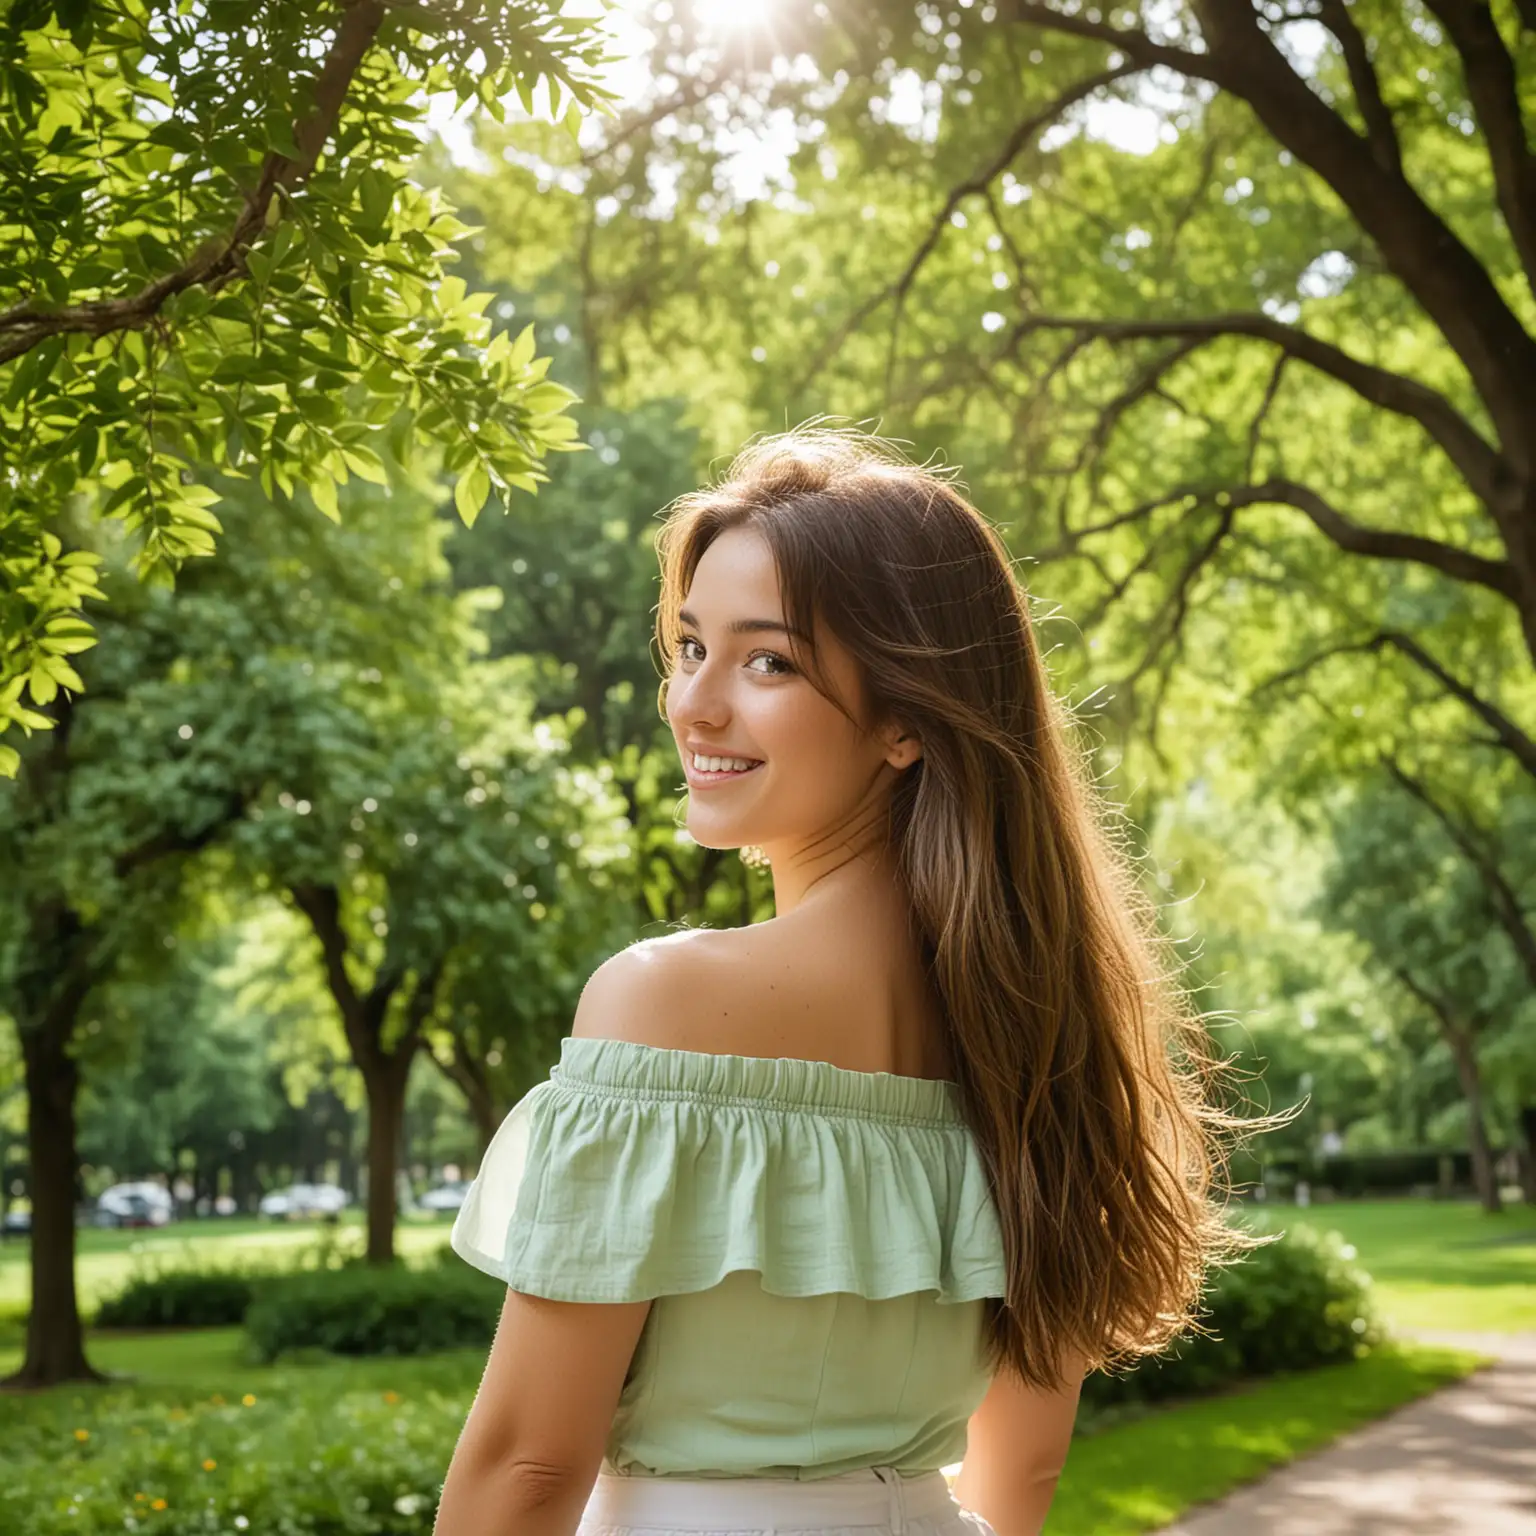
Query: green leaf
[62, 673]
[10, 761]
[280, 138]
[376, 191]
[323, 489]
[365, 464]
[469, 494]
[41, 686]
[522, 348]
[543, 398]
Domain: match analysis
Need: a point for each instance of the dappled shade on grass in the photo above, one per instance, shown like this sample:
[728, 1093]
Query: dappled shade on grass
[1137, 1476]
[1435, 1264]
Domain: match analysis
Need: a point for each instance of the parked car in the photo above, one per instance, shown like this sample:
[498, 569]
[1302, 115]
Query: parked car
[300, 1200]
[15, 1222]
[138, 1204]
[448, 1196]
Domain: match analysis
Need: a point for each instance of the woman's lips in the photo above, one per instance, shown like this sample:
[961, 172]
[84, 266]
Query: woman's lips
[701, 778]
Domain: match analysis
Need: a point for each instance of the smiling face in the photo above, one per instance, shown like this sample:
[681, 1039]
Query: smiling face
[736, 693]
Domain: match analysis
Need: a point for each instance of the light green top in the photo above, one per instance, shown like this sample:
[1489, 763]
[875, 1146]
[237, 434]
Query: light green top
[818, 1242]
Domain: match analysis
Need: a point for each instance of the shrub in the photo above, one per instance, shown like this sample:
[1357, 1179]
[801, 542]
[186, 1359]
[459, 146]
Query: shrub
[179, 1299]
[375, 1311]
[160, 1295]
[1291, 1305]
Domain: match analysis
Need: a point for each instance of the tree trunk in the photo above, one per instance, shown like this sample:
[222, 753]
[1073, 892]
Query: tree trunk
[1464, 1048]
[1528, 1162]
[55, 1341]
[468, 1073]
[385, 1080]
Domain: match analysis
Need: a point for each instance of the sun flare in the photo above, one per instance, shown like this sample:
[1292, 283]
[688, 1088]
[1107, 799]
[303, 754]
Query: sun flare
[733, 15]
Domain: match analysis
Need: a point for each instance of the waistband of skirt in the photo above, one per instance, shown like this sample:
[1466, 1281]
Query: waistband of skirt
[878, 1496]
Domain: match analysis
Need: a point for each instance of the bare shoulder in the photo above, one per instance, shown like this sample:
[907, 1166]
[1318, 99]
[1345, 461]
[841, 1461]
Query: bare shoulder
[697, 989]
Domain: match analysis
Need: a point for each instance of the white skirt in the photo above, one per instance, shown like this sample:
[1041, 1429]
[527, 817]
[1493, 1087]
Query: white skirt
[862, 1503]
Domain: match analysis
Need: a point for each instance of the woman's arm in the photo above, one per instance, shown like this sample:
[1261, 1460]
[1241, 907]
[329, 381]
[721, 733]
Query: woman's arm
[1016, 1446]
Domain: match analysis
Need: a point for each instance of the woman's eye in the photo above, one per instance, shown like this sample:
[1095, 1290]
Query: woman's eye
[780, 666]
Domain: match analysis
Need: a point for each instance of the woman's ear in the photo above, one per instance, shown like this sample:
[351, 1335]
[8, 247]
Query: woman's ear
[902, 748]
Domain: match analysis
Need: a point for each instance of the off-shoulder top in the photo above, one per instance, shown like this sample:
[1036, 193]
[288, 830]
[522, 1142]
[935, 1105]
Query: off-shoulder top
[817, 1241]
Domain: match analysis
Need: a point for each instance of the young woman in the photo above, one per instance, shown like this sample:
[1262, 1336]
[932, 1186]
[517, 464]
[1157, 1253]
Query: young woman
[813, 1209]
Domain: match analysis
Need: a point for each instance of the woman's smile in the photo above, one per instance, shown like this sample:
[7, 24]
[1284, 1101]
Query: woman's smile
[706, 778]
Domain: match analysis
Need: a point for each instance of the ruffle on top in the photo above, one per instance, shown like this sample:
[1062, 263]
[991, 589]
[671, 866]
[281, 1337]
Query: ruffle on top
[637, 1171]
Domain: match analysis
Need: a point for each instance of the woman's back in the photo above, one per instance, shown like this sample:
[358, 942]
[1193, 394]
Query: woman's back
[840, 982]
[818, 1242]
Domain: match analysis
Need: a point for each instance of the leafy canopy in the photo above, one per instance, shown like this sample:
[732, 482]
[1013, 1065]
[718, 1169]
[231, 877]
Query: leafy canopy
[212, 258]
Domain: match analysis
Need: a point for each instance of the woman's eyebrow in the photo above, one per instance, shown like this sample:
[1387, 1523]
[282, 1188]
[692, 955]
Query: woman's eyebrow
[738, 626]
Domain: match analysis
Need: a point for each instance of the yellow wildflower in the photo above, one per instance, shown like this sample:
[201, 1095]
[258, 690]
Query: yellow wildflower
[218, 1399]
[157, 1504]
[138, 1498]
[248, 1399]
[82, 1434]
[391, 1397]
[209, 1465]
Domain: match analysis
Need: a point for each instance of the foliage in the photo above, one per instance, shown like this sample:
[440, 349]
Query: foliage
[319, 1456]
[183, 1295]
[374, 1310]
[212, 258]
[179, 1299]
[1289, 1306]
[169, 1065]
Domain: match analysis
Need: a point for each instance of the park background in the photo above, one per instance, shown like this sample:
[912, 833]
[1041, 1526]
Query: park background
[347, 356]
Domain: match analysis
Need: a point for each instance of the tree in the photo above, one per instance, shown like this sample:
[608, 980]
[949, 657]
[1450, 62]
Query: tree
[430, 834]
[1248, 388]
[1401, 884]
[212, 258]
[1274, 360]
[169, 1068]
[201, 703]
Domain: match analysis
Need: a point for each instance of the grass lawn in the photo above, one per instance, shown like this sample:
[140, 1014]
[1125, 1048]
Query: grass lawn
[1130, 1478]
[1436, 1264]
[107, 1256]
[181, 1368]
[1139, 1476]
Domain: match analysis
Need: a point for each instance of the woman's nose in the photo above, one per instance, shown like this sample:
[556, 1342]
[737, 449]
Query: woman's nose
[700, 696]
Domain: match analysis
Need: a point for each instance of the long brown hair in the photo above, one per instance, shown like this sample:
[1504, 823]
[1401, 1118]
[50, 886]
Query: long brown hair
[1084, 1070]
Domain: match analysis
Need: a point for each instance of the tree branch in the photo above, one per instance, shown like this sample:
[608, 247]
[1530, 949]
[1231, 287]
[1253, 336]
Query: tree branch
[1133, 44]
[1035, 123]
[1506, 733]
[169, 840]
[214, 264]
[1362, 75]
[1436, 1004]
[1481, 464]
[1381, 544]
[1256, 426]
[1145, 384]
[1494, 90]
[1506, 904]
[321, 904]
[1176, 603]
[1437, 267]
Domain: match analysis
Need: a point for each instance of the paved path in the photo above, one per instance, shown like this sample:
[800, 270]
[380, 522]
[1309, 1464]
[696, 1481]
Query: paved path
[1461, 1462]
